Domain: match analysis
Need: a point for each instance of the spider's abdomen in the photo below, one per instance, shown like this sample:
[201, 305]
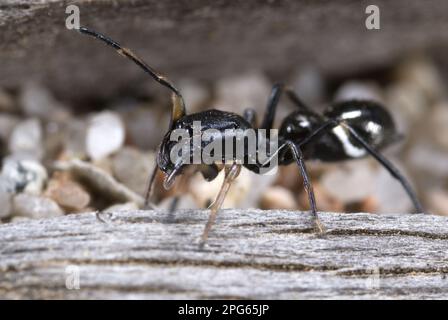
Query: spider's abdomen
[369, 119]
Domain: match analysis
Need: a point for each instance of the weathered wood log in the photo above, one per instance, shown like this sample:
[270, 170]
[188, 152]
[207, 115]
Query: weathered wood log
[216, 39]
[250, 254]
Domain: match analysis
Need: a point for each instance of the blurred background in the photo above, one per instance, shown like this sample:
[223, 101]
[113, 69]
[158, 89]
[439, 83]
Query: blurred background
[79, 124]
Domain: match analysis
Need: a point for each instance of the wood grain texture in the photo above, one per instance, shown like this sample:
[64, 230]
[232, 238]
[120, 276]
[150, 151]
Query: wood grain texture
[250, 254]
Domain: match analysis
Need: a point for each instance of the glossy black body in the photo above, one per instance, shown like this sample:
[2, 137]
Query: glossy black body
[223, 121]
[347, 130]
[368, 118]
[371, 120]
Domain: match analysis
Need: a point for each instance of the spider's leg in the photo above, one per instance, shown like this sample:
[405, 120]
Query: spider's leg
[231, 172]
[181, 186]
[152, 178]
[250, 116]
[268, 119]
[178, 108]
[294, 98]
[174, 203]
[298, 156]
[389, 167]
[274, 98]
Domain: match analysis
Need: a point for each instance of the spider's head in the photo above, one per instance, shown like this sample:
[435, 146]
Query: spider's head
[169, 160]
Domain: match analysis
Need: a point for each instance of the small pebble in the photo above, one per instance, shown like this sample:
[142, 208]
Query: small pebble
[74, 137]
[35, 207]
[388, 192]
[236, 93]
[99, 180]
[146, 125]
[186, 201]
[5, 204]
[23, 176]
[420, 71]
[357, 90]
[37, 101]
[324, 200]
[370, 204]
[68, 194]
[19, 219]
[289, 177]
[438, 126]
[438, 201]
[105, 135]
[259, 185]
[351, 181]
[128, 206]
[7, 124]
[104, 164]
[309, 85]
[132, 168]
[204, 192]
[277, 197]
[195, 95]
[425, 157]
[26, 138]
[7, 103]
[407, 103]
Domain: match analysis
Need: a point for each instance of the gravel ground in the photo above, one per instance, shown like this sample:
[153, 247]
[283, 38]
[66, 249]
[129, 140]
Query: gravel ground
[58, 159]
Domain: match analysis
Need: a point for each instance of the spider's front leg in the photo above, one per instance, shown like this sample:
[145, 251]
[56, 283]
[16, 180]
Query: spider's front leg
[231, 173]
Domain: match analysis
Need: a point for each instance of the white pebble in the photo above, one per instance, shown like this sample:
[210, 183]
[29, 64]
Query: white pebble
[36, 207]
[236, 93]
[309, 85]
[37, 101]
[132, 168]
[122, 207]
[194, 94]
[277, 197]
[105, 135]
[389, 194]
[26, 138]
[23, 176]
[351, 181]
[205, 192]
[357, 90]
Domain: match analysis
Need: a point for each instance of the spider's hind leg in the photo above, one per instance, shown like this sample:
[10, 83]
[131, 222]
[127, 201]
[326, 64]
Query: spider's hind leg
[394, 172]
[298, 157]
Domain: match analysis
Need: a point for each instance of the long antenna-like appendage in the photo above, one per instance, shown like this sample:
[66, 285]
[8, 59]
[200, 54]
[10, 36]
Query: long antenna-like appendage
[179, 105]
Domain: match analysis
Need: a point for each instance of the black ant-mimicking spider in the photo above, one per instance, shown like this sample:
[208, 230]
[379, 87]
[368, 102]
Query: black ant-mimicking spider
[347, 130]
